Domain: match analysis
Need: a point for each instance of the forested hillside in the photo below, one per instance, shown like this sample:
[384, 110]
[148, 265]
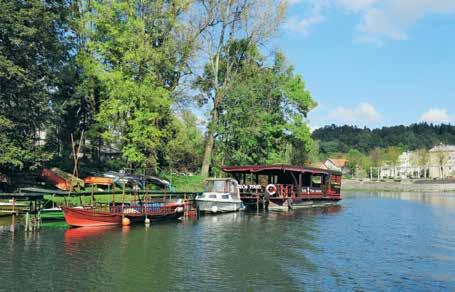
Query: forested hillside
[342, 139]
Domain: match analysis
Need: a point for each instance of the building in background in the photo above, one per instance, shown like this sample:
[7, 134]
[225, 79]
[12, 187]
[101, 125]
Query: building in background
[339, 164]
[442, 161]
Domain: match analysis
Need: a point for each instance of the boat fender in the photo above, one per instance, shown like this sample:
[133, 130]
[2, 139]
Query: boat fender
[270, 189]
[126, 221]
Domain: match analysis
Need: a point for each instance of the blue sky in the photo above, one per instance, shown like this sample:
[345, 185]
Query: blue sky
[374, 62]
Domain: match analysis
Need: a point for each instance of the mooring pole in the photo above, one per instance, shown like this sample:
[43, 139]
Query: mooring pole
[27, 222]
[13, 219]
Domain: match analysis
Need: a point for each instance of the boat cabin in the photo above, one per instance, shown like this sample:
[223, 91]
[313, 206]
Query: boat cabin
[221, 188]
[277, 183]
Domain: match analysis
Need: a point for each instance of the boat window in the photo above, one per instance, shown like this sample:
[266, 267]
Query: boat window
[226, 197]
[263, 180]
[212, 196]
[231, 188]
[316, 180]
[216, 186]
[201, 196]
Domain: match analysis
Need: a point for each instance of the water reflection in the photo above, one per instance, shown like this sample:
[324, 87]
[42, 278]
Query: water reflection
[370, 241]
[76, 235]
[436, 199]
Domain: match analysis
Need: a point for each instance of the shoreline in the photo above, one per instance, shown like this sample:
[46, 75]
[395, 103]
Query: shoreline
[391, 186]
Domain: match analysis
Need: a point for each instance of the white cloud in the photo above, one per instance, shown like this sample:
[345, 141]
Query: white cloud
[313, 15]
[364, 114]
[390, 19]
[293, 2]
[303, 25]
[376, 22]
[379, 19]
[436, 116]
[356, 5]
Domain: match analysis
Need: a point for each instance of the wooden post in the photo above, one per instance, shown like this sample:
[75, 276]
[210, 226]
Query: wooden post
[123, 196]
[27, 222]
[257, 202]
[13, 219]
[92, 198]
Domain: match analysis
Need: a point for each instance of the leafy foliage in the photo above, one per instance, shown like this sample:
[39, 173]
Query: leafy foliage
[417, 136]
[34, 52]
[262, 117]
[131, 49]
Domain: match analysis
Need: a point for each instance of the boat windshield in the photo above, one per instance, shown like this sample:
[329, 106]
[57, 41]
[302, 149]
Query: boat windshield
[216, 186]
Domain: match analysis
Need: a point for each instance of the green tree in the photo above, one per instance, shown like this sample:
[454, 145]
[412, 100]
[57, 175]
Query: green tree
[359, 164]
[184, 152]
[133, 51]
[262, 116]
[34, 52]
[227, 21]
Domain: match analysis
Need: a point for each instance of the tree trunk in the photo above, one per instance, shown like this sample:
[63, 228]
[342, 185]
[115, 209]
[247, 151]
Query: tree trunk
[206, 162]
[209, 144]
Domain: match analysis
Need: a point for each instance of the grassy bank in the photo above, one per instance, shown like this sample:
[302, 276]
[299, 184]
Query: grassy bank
[194, 183]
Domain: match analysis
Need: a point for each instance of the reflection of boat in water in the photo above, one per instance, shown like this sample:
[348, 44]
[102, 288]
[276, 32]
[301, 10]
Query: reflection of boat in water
[113, 215]
[78, 234]
[221, 195]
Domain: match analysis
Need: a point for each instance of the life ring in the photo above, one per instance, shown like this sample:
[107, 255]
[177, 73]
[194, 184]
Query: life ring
[270, 189]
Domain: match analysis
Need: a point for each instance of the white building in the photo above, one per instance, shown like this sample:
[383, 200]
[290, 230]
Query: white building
[442, 161]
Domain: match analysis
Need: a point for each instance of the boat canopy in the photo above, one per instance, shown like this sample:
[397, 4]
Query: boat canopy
[276, 169]
[222, 185]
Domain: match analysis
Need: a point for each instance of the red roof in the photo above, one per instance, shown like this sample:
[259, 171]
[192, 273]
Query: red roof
[260, 168]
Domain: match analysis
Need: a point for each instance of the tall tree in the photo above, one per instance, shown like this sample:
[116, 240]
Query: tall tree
[134, 51]
[262, 115]
[33, 54]
[226, 21]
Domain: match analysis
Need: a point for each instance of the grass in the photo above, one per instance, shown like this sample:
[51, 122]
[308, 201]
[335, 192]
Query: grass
[193, 183]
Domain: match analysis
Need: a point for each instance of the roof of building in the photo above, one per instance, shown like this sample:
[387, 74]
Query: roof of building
[320, 165]
[443, 148]
[339, 162]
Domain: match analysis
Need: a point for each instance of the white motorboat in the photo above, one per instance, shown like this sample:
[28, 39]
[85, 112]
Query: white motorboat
[220, 195]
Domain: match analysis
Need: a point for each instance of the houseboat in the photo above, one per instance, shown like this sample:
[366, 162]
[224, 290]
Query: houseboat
[283, 187]
[220, 195]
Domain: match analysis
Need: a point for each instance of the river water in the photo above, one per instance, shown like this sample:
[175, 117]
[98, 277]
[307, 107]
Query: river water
[370, 241]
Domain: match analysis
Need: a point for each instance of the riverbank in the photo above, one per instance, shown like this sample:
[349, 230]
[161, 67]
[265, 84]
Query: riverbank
[402, 186]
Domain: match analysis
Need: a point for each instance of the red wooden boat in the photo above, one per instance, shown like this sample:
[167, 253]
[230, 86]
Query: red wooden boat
[89, 217]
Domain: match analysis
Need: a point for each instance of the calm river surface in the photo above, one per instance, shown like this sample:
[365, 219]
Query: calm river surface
[370, 242]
